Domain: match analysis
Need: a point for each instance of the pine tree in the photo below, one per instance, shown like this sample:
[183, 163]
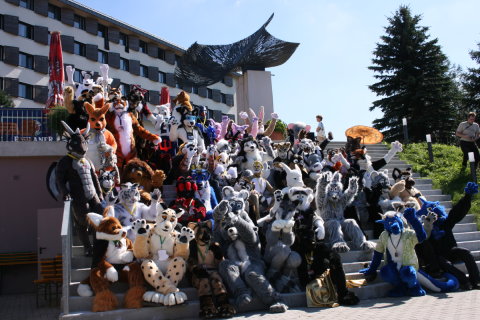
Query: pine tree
[415, 82]
[471, 84]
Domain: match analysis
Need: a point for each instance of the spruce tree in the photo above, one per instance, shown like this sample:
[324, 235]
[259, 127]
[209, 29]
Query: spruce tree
[414, 82]
[471, 84]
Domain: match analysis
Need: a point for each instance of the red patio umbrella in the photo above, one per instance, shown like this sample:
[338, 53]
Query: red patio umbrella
[55, 70]
[164, 95]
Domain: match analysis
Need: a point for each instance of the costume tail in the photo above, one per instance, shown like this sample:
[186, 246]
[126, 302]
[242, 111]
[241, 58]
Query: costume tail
[449, 284]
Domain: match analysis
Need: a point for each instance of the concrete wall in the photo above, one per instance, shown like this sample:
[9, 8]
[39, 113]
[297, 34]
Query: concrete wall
[254, 89]
[22, 192]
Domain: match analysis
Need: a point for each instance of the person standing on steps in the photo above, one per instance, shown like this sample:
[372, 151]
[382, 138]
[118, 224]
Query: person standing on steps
[320, 129]
[468, 132]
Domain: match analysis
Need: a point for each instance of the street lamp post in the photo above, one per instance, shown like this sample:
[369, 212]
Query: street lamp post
[471, 159]
[429, 145]
[405, 131]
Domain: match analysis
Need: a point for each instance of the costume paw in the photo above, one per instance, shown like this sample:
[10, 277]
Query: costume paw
[340, 247]
[140, 227]
[278, 225]
[278, 307]
[156, 194]
[226, 310]
[84, 290]
[471, 188]
[266, 141]
[243, 300]
[111, 274]
[274, 115]
[186, 235]
[370, 274]
[367, 246]
[174, 298]
[349, 299]
[243, 115]
[152, 296]
[352, 180]
[397, 146]
[110, 199]
[409, 213]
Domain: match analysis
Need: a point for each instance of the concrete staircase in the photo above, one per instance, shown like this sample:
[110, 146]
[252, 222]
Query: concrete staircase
[465, 232]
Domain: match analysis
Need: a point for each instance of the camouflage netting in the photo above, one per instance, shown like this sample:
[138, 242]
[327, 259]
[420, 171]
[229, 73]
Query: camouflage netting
[203, 65]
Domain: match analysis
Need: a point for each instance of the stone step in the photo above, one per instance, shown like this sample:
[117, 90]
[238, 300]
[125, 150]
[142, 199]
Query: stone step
[372, 290]
[469, 218]
[80, 307]
[353, 267]
[467, 236]
[472, 245]
[465, 227]
[442, 197]
[432, 192]
[79, 274]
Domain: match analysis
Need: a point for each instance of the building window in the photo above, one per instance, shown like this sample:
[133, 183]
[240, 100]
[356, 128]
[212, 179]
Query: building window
[101, 31]
[79, 22]
[123, 40]
[142, 46]
[209, 93]
[195, 90]
[25, 30]
[224, 98]
[27, 4]
[143, 71]
[79, 49]
[124, 88]
[177, 58]
[124, 64]
[25, 91]
[162, 77]
[161, 54]
[77, 76]
[1, 53]
[25, 60]
[102, 56]
[54, 12]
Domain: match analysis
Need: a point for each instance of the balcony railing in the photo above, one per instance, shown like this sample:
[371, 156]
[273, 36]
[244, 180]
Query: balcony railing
[29, 124]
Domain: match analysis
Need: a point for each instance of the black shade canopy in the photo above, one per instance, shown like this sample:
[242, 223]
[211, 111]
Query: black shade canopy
[203, 65]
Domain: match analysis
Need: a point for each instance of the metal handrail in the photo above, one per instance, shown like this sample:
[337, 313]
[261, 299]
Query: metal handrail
[66, 235]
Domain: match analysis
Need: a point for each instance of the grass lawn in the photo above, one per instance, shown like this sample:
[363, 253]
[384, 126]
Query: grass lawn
[445, 171]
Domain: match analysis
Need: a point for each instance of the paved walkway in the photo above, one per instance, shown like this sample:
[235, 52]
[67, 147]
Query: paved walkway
[458, 306]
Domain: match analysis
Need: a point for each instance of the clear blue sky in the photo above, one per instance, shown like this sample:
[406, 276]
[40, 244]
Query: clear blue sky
[328, 73]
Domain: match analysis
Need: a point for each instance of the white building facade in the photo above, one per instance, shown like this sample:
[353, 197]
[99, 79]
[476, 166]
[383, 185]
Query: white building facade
[90, 38]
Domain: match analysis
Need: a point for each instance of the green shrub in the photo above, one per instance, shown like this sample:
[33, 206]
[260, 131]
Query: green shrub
[55, 115]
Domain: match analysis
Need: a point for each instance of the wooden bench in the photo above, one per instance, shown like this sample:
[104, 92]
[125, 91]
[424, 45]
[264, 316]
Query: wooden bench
[16, 258]
[51, 272]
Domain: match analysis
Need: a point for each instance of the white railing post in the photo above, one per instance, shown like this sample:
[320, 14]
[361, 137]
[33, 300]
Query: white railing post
[66, 234]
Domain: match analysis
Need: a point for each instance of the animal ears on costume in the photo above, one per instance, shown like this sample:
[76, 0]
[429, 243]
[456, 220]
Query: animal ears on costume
[244, 194]
[192, 225]
[94, 218]
[228, 192]
[396, 174]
